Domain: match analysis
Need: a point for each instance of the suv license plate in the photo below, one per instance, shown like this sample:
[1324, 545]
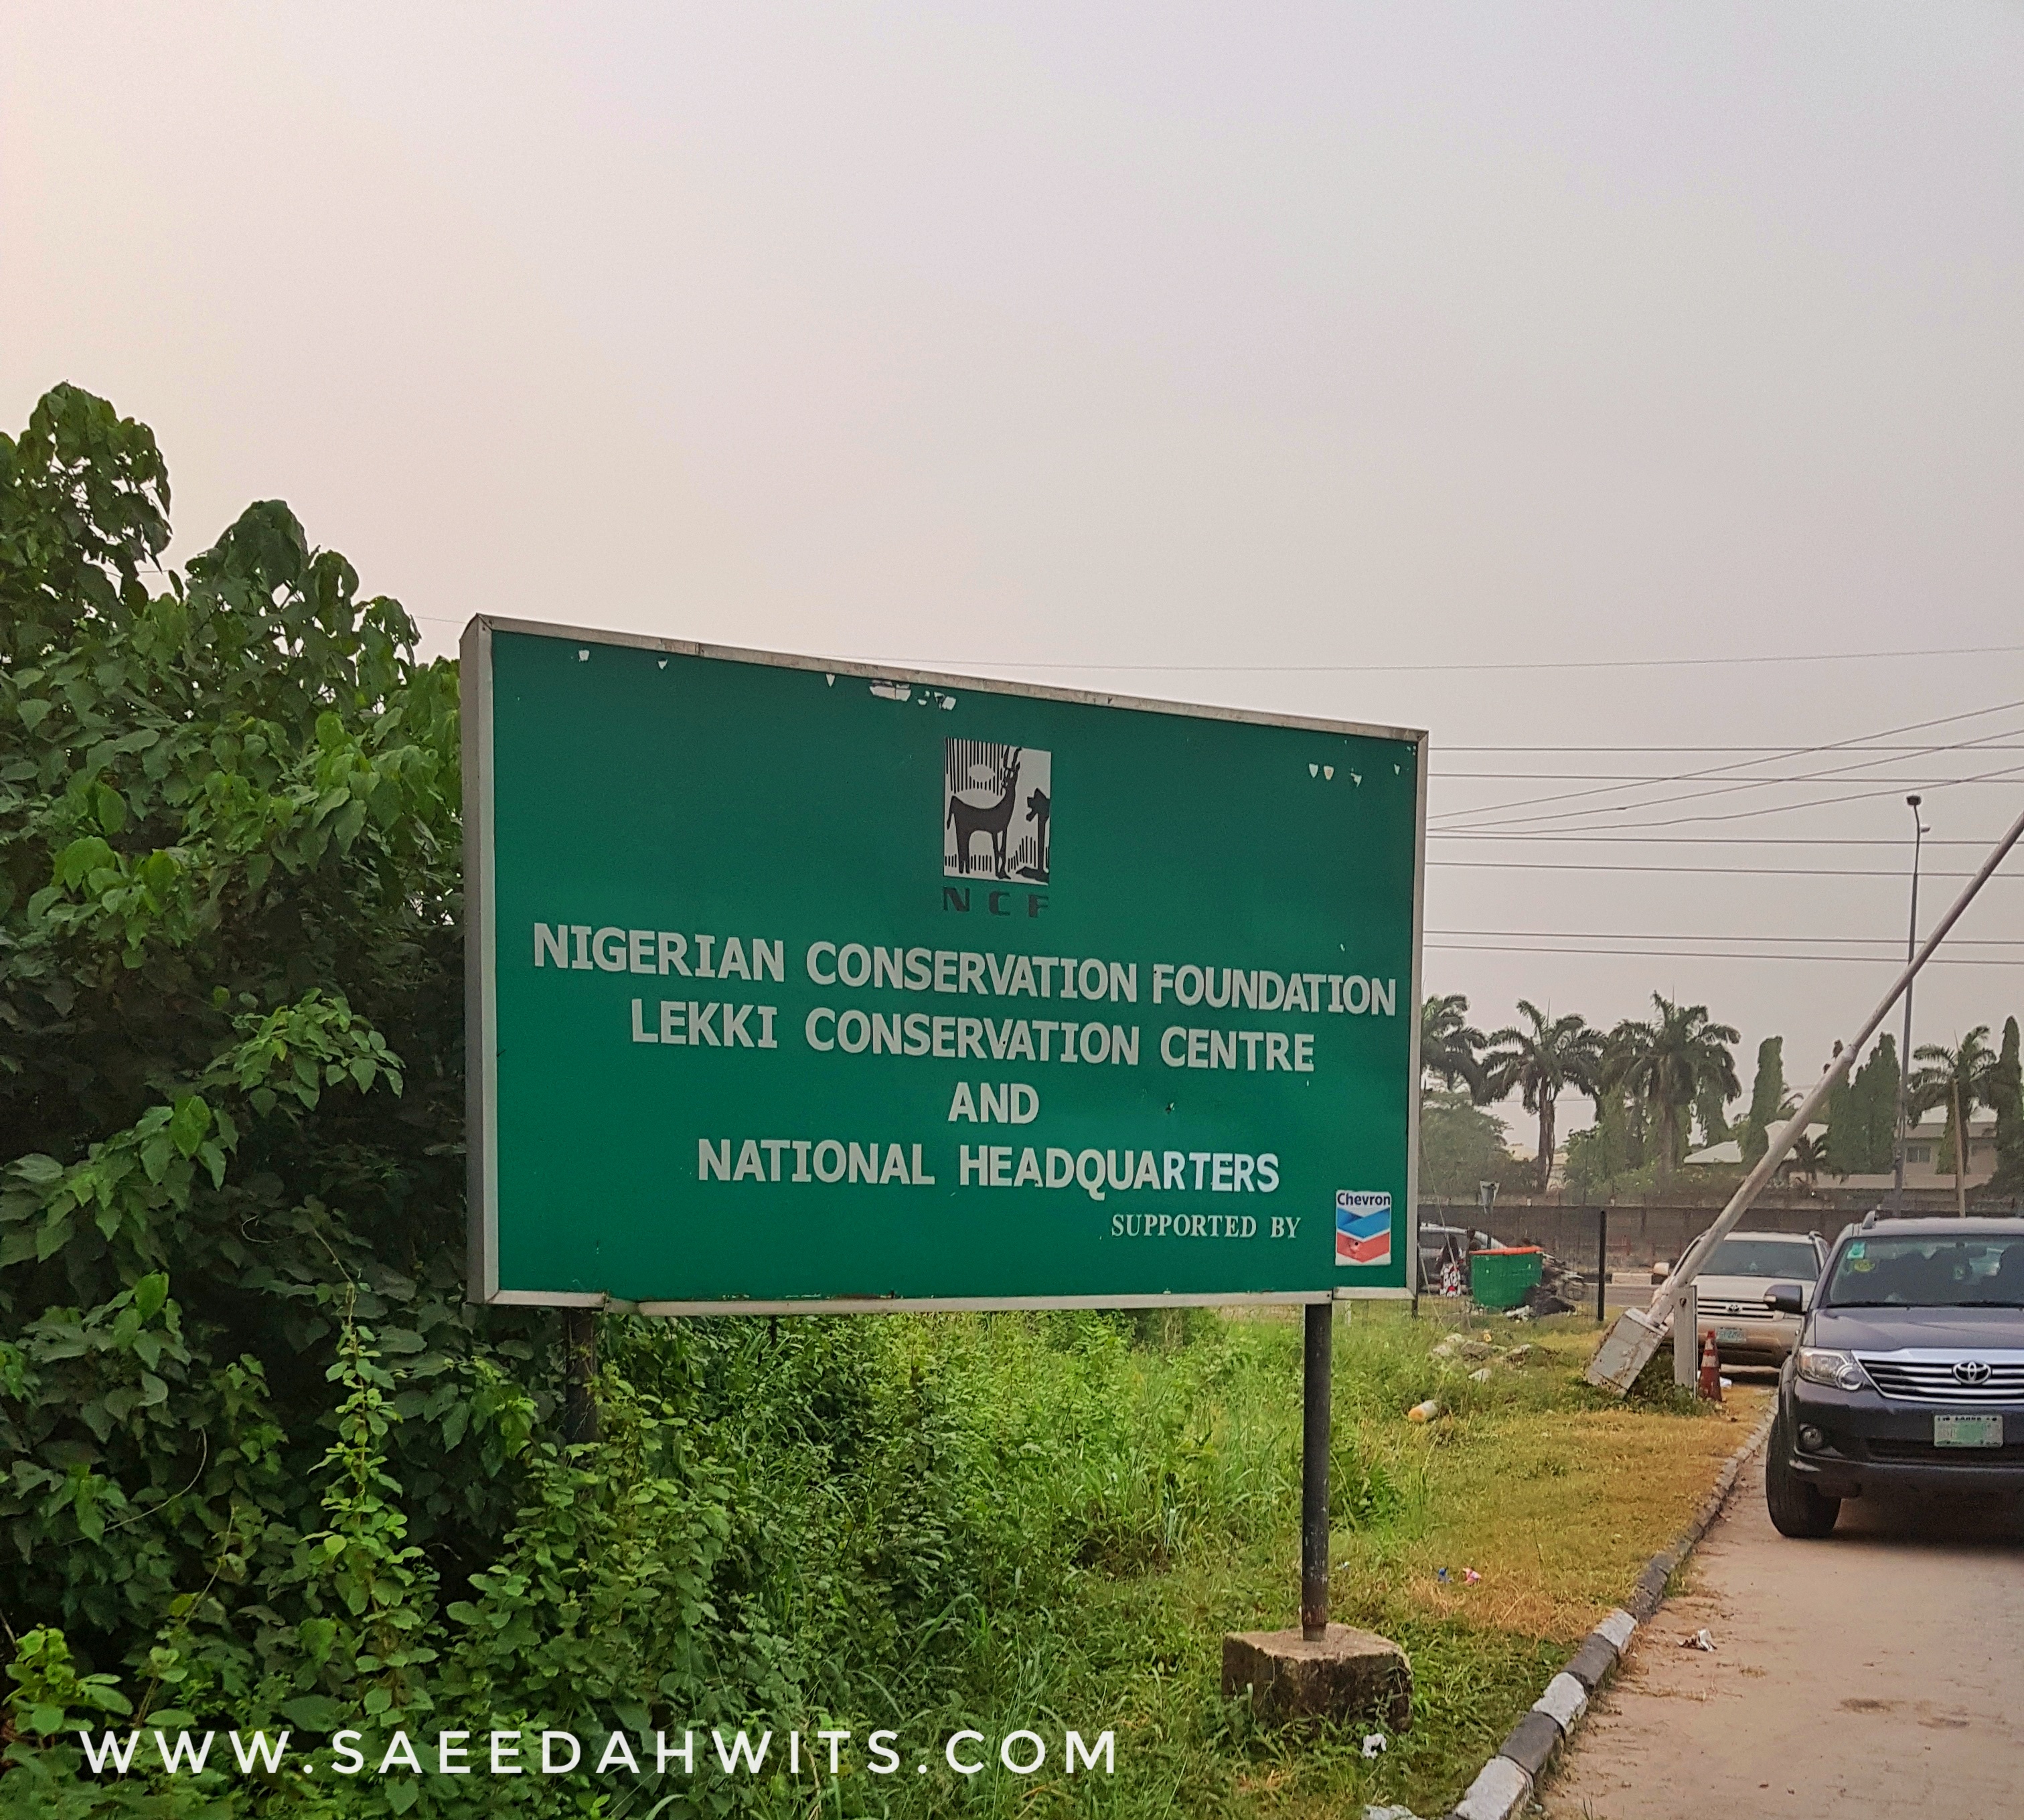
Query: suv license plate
[1967, 1431]
[1729, 1336]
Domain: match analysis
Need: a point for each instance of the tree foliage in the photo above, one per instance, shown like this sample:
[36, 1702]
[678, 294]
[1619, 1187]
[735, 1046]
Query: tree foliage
[1450, 1050]
[1862, 1116]
[1769, 1102]
[1670, 1062]
[1462, 1147]
[1540, 1059]
[230, 1078]
[2006, 1093]
[264, 1463]
[1959, 1079]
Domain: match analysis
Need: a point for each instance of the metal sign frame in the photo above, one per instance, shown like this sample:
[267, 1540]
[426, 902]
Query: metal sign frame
[481, 977]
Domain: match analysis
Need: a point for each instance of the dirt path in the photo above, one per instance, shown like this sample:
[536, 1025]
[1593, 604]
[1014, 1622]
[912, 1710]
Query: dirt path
[1873, 1674]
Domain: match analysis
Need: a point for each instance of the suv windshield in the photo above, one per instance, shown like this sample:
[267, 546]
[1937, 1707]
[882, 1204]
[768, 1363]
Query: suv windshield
[1939, 1273]
[1789, 1260]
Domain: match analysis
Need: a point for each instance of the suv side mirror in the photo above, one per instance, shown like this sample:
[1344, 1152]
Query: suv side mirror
[1785, 1298]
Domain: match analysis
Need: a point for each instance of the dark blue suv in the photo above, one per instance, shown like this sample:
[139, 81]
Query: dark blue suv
[1909, 1369]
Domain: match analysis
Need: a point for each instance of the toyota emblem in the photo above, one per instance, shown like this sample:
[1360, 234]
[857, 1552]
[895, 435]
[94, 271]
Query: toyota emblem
[1971, 1371]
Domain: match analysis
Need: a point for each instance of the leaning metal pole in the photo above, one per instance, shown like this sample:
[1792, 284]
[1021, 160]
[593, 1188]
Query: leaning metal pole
[1898, 1132]
[1316, 1384]
[1628, 1345]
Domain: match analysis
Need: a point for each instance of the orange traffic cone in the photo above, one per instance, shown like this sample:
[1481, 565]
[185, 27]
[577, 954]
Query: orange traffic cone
[1710, 1386]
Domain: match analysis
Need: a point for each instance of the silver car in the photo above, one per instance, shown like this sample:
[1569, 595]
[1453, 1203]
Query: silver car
[1730, 1287]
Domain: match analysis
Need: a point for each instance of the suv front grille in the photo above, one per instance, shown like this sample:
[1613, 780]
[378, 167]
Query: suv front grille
[1932, 1380]
[1924, 1453]
[1708, 1307]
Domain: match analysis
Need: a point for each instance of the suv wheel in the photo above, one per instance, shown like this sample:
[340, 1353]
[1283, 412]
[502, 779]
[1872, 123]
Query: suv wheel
[1797, 1509]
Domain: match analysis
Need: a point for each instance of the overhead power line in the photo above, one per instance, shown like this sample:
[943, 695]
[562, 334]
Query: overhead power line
[1769, 751]
[972, 663]
[1632, 777]
[1637, 840]
[1688, 954]
[1887, 942]
[1761, 871]
[1475, 814]
[1397, 668]
[2007, 774]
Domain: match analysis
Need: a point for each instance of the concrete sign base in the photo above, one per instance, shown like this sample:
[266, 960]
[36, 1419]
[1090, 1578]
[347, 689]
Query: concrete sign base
[1347, 1671]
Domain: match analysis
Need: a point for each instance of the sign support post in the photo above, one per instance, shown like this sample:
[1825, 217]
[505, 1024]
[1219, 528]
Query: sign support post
[582, 1421]
[1316, 1381]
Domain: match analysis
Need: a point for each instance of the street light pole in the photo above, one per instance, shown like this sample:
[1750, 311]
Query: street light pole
[1905, 1055]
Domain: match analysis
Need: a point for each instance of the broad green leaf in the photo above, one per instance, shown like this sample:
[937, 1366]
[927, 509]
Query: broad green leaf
[315, 1712]
[190, 1123]
[54, 1235]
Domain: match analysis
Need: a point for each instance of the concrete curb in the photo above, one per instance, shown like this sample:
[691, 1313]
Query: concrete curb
[1505, 1784]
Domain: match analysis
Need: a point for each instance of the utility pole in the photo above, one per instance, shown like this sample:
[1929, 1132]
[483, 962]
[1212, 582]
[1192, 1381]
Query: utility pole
[1631, 1342]
[1918, 832]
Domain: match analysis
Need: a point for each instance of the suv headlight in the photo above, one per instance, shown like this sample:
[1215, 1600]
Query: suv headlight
[1823, 1365]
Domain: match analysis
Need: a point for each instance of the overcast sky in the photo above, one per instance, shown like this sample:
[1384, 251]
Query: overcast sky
[1400, 364]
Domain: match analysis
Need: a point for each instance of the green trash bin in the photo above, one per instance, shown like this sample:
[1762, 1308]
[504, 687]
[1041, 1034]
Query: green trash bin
[1501, 1278]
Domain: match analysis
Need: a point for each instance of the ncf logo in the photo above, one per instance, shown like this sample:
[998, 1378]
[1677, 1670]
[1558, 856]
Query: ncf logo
[997, 801]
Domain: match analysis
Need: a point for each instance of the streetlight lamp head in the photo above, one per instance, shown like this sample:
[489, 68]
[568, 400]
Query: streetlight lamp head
[1914, 801]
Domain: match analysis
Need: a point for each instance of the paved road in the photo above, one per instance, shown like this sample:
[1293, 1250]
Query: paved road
[1873, 1674]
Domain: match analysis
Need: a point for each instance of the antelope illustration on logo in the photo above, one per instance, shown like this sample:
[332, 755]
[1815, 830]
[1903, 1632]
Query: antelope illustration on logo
[993, 819]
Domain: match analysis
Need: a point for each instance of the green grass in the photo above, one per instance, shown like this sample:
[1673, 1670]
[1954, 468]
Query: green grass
[1130, 1492]
[926, 1525]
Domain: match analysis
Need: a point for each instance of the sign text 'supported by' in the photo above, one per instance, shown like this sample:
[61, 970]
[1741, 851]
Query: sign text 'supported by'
[793, 985]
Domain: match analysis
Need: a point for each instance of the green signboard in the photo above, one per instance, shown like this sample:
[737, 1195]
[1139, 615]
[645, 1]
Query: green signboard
[796, 985]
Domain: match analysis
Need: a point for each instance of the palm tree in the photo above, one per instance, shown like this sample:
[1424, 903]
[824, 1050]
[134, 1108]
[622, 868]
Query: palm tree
[1960, 1079]
[1540, 1062]
[1450, 1050]
[1669, 1062]
[1807, 1158]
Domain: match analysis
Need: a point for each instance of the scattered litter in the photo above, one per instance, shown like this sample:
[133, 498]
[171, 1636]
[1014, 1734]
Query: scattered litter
[1470, 1576]
[1699, 1640]
[1389, 1813]
[1373, 1742]
[1456, 1346]
[1525, 1354]
[1729, 1384]
[1442, 1574]
[1482, 1377]
[1424, 1412]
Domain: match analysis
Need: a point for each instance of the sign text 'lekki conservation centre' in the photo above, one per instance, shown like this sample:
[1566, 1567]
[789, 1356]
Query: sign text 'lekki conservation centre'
[793, 985]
